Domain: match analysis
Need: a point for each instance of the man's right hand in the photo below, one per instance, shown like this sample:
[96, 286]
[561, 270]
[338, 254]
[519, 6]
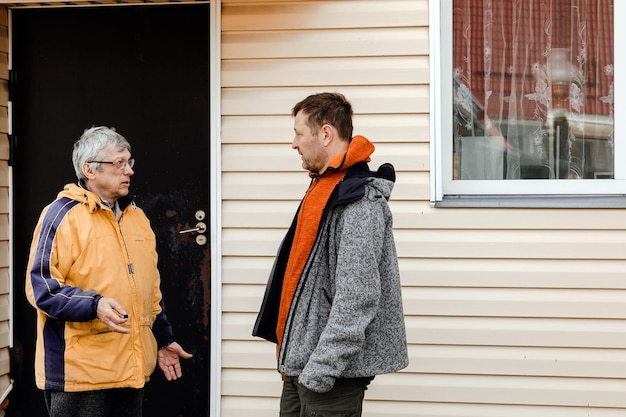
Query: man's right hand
[111, 313]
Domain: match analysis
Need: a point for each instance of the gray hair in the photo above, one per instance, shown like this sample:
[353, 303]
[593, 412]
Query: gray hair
[92, 142]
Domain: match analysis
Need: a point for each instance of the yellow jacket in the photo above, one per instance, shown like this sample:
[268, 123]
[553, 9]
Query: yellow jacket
[80, 253]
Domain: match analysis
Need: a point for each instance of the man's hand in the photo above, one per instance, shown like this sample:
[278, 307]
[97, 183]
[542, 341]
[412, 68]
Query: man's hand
[169, 362]
[111, 313]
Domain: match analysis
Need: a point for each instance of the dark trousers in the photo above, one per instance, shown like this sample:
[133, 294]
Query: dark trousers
[344, 400]
[123, 402]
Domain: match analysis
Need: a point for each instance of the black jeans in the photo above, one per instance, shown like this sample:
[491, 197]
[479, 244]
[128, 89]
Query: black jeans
[123, 402]
[345, 399]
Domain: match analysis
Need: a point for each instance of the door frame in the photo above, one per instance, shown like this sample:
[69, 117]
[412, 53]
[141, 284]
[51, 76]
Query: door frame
[215, 180]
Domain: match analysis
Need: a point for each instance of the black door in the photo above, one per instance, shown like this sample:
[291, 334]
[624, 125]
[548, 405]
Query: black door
[143, 70]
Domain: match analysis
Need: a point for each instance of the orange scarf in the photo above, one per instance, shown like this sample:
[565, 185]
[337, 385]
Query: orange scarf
[309, 219]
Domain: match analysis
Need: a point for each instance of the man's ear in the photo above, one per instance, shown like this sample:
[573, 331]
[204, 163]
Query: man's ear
[88, 171]
[329, 134]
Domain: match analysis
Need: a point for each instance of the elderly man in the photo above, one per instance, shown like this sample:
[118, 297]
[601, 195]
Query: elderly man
[92, 276]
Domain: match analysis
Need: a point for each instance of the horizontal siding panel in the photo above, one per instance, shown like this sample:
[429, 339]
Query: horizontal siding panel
[4, 98]
[267, 157]
[417, 215]
[268, 407]
[466, 360]
[573, 392]
[261, 157]
[484, 331]
[4, 166]
[4, 199]
[257, 407]
[412, 128]
[5, 363]
[238, 326]
[325, 43]
[511, 302]
[257, 129]
[476, 302]
[5, 308]
[404, 157]
[242, 298]
[5, 335]
[411, 186]
[4, 253]
[259, 383]
[522, 244]
[246, 270]
[390, 100]
[4, 225]
[5, 280]
[318, 15]
[538, 332]
[548, 273]
[325, 71]
[429, 409]
[528, 361]
[4, 71]
[242, 242]
[5, 148]
[535, 273]
[292, 186]
[401, 128]
[253, 214]
[258, 354]
[264, 186]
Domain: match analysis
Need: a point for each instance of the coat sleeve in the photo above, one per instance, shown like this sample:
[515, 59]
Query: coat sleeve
[45, 276]
[359, 237]
[162, 329]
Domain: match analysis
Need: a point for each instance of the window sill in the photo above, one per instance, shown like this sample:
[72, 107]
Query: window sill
[532, 201]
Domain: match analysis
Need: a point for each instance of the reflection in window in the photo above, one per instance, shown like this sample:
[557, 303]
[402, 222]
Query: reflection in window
[533, 89]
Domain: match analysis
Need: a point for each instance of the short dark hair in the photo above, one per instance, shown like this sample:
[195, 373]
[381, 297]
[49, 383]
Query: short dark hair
[327, 108]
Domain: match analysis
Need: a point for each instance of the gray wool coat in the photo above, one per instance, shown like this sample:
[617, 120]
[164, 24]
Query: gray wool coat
[346, 319]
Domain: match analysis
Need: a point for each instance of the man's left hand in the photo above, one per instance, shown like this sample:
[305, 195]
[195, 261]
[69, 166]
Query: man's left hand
[169, 362]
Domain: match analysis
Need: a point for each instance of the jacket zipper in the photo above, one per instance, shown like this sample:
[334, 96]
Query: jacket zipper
[294, 303]
[130, 266]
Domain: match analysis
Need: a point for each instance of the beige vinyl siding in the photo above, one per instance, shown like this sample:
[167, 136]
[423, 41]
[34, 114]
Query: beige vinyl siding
[508, 311]
[5, 278]
[272, 56]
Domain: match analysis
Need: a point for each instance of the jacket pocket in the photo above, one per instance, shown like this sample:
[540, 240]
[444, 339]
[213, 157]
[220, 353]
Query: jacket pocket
[150, 349]
[99, 358]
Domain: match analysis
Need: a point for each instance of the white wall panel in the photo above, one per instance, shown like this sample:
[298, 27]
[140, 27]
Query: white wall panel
[468, 360]
[322, 14]
[324, 43]
[483, 331]
[517, 244]
[507, 273]
[325, 71]
[392, 100]
[515, 302]
[518, 331]
[373, 408]
[487, 389]
[573, 392]
[420, 215]
[266, 407]
[509, 312]
[274, 157]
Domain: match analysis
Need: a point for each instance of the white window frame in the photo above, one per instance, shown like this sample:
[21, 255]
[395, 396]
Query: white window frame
[441, 104]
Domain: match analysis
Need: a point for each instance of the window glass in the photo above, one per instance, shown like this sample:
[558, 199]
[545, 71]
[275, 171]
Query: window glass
[533, 90]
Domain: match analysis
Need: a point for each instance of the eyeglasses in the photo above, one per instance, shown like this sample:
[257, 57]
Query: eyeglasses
[121, 164]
